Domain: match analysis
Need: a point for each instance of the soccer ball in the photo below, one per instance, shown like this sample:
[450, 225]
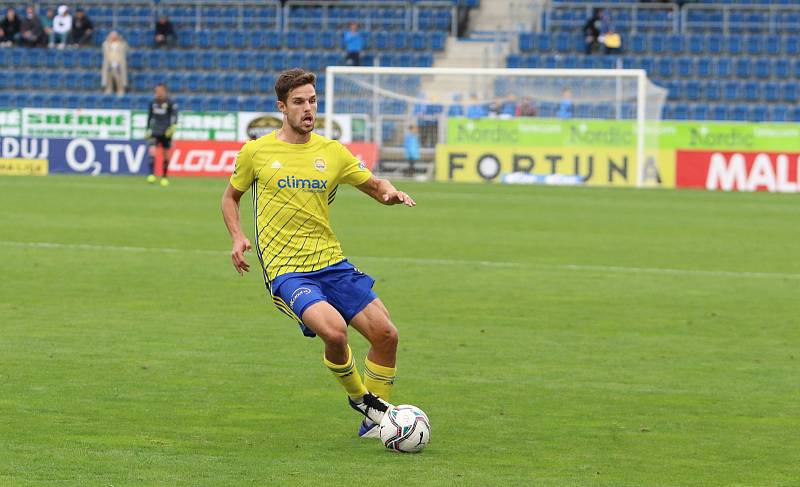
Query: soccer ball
[405, 428]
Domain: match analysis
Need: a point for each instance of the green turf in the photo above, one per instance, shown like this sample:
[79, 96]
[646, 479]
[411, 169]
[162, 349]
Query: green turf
[555, 336]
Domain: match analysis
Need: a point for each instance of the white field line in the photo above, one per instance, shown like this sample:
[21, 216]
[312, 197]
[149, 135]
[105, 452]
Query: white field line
[423, 261]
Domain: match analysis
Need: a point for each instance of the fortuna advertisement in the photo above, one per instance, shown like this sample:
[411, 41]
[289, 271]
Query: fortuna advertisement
[725, 156]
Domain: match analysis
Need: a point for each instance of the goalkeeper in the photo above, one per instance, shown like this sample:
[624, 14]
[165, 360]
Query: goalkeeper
[162, 120]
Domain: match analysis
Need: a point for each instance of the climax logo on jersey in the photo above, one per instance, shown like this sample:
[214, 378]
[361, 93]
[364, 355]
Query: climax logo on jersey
[314, 185]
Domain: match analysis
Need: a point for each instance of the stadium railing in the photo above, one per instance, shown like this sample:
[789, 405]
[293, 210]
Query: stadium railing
[625, 17]
[740, 19]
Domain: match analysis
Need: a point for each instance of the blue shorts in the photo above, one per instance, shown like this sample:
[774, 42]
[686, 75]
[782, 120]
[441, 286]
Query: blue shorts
[343, 286]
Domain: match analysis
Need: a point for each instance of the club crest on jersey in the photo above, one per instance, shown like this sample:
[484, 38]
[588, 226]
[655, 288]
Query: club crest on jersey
[362, 166]
[320, 164]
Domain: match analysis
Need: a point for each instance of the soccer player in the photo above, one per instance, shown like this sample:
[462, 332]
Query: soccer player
[162, 120]
[294, 175]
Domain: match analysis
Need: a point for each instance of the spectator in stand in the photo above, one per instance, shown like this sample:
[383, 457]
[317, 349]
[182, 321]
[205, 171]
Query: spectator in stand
[475, 109]
[566, 108]
[31, 28]
[9, 29]
[115, 64]
[411, 146]
[82, 29]
[508, 108]
[62, 26]
[47, 26]
[456, 109]
[527, 108]
[165, 33]
[592, 30]
[353, 44]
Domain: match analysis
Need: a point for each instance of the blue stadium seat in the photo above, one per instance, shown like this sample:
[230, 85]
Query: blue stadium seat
[789, 92]
[637, 44]
[730, 91]
[658, 45]
[698, 111]
[680, 111]
[664, 67]
[754, 45]
[714, 44]
[724, 67]
[758, 113]
[676, 44]
[742, 68]
[692, 90]
[752, 91]
[685, 67]
[772, 45]
[674, 91]
[779, 113]
[526, 42]
[771, 92]
[781, 68]
[763, 68]
[738, 112]
[718, 112]
[697, 44]
[705, 67]
[733, 45]
[712, 92]
[791, 46]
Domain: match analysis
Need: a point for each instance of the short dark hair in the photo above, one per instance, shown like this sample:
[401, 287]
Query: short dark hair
[291, 79]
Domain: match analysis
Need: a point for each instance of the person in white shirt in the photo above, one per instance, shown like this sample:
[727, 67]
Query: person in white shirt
[115, 64]
[62, 27]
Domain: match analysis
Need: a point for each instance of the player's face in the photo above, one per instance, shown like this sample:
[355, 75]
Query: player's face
[160, 92]
[300, 109]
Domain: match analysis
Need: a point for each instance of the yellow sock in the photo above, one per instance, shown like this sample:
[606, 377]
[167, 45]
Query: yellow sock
[379, 379]
[348, 376]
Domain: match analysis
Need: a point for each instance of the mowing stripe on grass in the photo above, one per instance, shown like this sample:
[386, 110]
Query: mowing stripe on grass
[424, 261]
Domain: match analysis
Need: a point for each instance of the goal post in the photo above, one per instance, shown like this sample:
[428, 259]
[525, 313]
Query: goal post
[537, 122]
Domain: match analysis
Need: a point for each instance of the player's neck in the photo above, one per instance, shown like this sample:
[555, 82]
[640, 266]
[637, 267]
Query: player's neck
[292, 137]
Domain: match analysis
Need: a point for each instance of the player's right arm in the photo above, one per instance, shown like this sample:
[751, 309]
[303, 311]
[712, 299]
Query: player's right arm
[241, 179]
[240, 243]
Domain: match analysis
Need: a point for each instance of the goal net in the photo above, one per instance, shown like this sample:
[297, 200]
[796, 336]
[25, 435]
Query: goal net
[545, 126]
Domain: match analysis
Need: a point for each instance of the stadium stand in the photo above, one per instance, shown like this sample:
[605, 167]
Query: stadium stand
[726, 60]
[225, 58]
[720, 60]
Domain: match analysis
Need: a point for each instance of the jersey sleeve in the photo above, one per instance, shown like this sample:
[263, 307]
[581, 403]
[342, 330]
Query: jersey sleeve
[243, 174]
[354, 172]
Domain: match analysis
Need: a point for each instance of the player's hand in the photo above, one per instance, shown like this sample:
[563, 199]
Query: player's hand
[170, 131]
[240, 246]
[398, 198]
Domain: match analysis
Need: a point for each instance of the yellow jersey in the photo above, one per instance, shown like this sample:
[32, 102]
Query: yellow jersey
[293, 187]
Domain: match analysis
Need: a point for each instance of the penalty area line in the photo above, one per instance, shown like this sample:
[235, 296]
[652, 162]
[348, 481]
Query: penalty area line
[425, 261]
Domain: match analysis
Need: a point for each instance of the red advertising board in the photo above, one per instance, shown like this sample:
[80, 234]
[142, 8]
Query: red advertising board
[738, 171]
[218, 158]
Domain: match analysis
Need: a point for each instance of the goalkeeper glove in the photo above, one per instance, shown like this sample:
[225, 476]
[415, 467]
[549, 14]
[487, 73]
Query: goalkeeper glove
[170, 131]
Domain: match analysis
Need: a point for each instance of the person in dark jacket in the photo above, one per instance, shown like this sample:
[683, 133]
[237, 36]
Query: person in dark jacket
[10, 29]
[31, 30]
[165, 33]
[82, 29]
[592, 30]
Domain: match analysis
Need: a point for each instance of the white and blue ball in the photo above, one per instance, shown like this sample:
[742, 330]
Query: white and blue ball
[405, 428]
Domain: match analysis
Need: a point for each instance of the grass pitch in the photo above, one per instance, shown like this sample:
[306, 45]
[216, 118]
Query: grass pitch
[555, 337]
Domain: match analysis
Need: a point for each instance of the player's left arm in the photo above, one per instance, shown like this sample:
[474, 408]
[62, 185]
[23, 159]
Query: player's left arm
[383, 191]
